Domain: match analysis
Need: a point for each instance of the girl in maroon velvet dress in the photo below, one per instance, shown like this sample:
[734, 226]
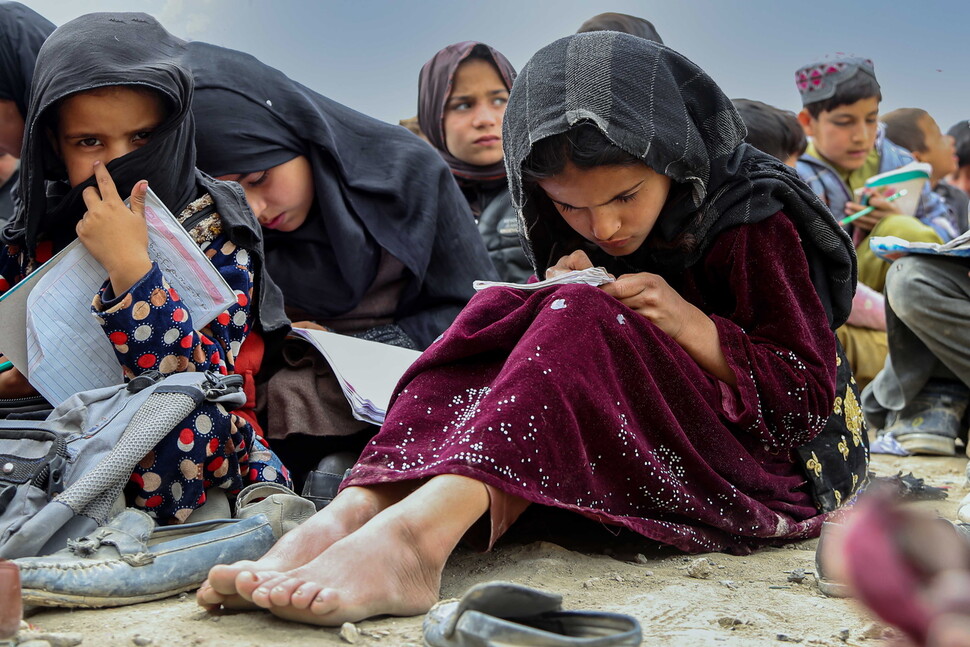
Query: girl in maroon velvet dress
[693, 400]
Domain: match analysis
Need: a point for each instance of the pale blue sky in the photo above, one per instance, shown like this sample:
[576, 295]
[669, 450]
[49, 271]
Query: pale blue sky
[367, 53]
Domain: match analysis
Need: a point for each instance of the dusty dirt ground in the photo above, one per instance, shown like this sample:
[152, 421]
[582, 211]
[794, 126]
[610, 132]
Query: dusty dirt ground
[746, 600]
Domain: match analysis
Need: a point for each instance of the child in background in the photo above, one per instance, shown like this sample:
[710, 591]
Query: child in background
[840, 98]
[960, 132]
[22, 32]
[916, 131]
[462, 92]
[98, 131]
[772, 130]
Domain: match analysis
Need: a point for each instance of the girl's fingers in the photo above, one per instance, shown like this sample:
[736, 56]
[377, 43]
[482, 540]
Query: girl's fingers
[138, 194]
[91, 197]
[105, 184]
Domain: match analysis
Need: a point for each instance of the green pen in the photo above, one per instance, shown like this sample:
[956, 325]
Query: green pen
[868, 210]
[6, 366]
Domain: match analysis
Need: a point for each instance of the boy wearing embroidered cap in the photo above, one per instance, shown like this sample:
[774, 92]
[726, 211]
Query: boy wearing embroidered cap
[840, 98]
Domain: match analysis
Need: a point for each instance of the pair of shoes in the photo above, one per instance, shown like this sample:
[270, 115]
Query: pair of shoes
[322, 483]
[131, 560]
[502, 613]
[931, 423]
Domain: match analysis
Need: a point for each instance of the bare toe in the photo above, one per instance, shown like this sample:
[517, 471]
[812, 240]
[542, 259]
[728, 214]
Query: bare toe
[304, 595]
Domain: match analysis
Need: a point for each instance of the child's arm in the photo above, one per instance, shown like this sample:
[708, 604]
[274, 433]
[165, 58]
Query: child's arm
[151, 329]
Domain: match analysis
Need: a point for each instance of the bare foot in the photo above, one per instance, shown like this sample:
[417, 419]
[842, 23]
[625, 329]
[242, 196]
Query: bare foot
[350, 510]
[391, 566]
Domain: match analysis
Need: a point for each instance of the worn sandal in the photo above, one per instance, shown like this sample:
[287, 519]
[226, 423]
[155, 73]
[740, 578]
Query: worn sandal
[496, 614]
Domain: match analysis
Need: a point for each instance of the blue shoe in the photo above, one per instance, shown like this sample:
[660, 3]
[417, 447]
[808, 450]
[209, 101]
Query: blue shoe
[131, 560]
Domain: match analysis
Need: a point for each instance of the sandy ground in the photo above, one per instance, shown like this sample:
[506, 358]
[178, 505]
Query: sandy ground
[745, 601]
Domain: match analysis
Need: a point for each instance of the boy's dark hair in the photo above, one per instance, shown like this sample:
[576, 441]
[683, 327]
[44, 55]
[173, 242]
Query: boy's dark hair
[858, 87]
[902, 128]
[584, 145]
[612, 21]
[772, 130]
[960, 132]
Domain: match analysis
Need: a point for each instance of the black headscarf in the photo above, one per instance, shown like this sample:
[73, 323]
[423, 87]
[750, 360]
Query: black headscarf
[130, 49]
[660, 107]
[22, 32]
[434, 87]
[377, 187]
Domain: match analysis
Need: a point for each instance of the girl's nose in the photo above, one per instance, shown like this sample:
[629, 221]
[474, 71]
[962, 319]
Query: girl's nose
[603, 224]
[485, 116]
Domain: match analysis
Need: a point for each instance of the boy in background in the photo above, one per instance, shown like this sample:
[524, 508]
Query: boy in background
[916, 131]
[960, 132]
[772, 130]
[840, 113]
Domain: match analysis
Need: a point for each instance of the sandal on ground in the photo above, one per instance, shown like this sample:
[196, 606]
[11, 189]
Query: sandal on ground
[827, 583]
[502, 613]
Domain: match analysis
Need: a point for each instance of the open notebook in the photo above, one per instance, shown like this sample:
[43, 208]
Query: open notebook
[46, 326]
[367, 371]
[911, 177]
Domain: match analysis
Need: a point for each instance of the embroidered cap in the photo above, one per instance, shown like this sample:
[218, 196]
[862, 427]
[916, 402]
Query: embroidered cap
[819, 81]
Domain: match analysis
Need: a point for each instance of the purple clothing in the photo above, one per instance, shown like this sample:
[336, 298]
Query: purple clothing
[567, 398]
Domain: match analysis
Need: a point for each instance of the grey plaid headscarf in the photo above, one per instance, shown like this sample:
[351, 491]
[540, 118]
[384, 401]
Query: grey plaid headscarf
[660, 107]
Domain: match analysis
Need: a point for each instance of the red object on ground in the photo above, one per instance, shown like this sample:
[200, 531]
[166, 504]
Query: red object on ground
[11, 607]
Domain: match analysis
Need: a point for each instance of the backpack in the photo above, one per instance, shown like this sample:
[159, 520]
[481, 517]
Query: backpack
[61, 477]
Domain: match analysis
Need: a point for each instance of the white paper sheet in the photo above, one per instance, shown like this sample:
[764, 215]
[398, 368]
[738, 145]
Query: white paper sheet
[589, 276]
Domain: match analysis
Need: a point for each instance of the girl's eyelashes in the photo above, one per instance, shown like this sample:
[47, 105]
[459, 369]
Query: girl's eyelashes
[254, 179]
[629, 197]
[88, 142]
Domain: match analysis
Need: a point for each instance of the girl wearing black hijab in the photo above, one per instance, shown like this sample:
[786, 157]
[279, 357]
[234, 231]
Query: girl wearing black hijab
[365, 230]
[462, 92]
[698, 400]
[97, 132]
[22, 32]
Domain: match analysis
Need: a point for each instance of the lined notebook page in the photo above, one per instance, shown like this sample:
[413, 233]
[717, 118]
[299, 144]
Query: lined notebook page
[67, 350]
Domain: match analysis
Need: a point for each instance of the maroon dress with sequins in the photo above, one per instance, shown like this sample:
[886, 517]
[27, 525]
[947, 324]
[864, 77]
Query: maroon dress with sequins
[567, 398]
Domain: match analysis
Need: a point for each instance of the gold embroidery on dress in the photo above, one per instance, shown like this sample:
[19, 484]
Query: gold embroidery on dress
[853, 417]
[812, 465]
[844, 449]
[838, 360]
[838, 497]
[855, 481]
[838, 406]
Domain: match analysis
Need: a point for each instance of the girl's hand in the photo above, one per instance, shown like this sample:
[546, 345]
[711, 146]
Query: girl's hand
[578, 260]
[651, 297]
[310, 325]
[115, 235]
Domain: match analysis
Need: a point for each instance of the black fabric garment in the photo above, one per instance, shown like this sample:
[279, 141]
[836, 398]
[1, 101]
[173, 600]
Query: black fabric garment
[6, 198]
[498, 225]
[376, 187]
[671, 115]
[128, 49]
[22, 32]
